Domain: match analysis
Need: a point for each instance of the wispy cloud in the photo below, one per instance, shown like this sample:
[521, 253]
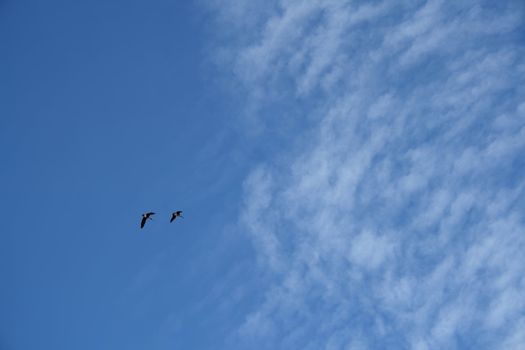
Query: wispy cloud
[400, 223]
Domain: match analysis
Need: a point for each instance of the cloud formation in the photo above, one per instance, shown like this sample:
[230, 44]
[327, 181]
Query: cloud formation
[399, 222]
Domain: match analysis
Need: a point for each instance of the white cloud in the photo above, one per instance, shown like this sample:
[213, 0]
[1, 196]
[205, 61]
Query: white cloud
[399, 223]
[369, 251]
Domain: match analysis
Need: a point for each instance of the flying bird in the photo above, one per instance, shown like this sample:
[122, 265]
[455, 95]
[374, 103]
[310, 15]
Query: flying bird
[176, 214]
[145, 217]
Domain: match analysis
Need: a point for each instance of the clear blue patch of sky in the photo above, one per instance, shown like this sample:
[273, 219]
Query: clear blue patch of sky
[106, 112]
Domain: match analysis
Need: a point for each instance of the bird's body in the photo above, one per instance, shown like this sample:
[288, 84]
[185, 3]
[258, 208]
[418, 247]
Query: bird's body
[176, 214]
[145, 218]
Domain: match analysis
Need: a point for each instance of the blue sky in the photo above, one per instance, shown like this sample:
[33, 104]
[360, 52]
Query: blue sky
[351, 174]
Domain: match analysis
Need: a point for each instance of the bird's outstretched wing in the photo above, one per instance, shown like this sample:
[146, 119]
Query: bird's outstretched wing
[150, 213]
[143, 222]
[173, 217]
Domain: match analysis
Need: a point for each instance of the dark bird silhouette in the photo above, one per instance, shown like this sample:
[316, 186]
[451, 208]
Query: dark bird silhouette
[145, 217]
[176, 214]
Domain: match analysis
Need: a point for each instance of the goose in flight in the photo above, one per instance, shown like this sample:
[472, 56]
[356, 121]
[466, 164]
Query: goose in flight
[145, 217]
[176, 214]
